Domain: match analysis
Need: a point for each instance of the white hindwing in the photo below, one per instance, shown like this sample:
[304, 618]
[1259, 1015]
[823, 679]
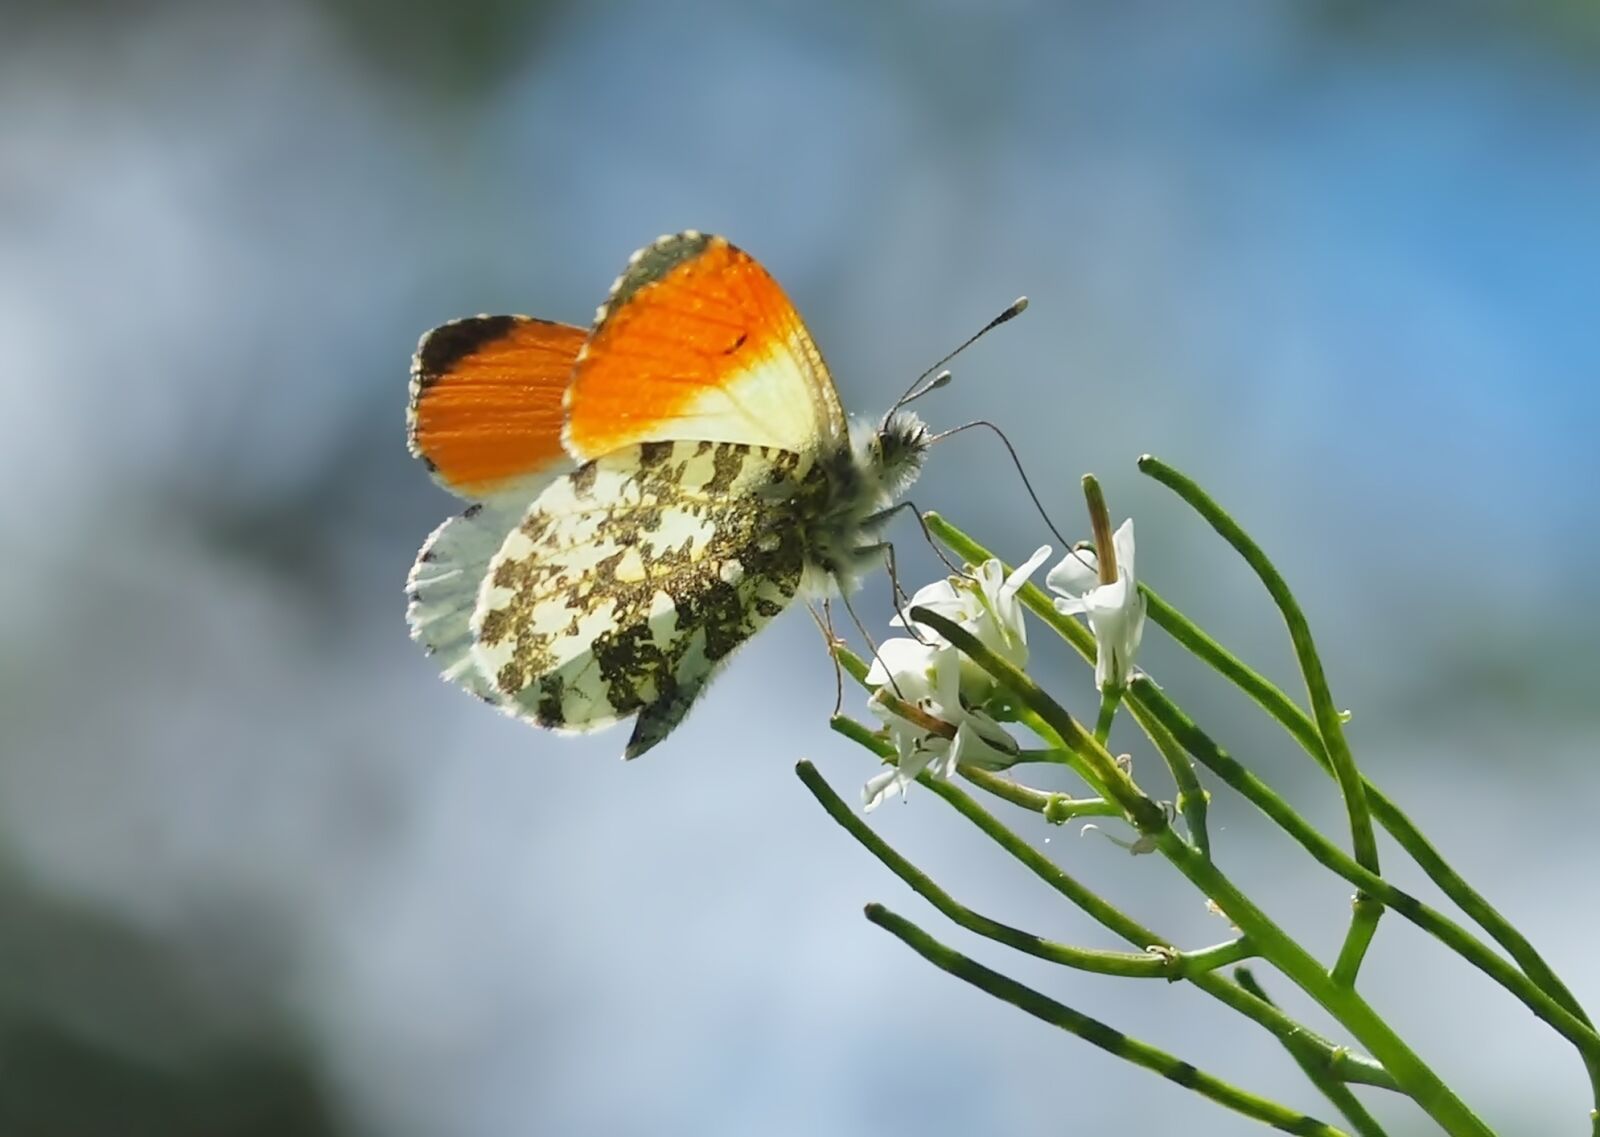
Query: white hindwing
[632, 579]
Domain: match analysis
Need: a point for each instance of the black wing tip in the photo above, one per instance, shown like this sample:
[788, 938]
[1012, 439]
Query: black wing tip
[448, 344]
[655, 261]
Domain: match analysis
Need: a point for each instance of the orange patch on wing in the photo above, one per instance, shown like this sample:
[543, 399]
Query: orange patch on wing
[486, 399]
[691, 313]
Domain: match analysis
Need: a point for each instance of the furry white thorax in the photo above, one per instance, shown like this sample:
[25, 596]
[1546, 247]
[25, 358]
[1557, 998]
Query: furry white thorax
[865, 479]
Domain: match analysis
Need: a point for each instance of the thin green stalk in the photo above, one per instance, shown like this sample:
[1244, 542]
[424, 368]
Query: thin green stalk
[857, 669]
[970, 551]
[1192, 798]
[1330, 725]
[854, 666]
[1108, 712]
[1056, 808]
[1339, 1061]
[1145, 814]
[1365, 912]
[865, 735]
[1394, 820]
[1399, 826]
[1301, 728]
[1334, 1090]
[1061, 809]
[1419, 1081]
[1097, 1033]
[1039, 727]
[1165, 964]
[1040, 756]
[1326, 853]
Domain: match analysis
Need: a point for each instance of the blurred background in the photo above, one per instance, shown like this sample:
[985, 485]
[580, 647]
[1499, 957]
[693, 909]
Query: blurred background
[261, 872]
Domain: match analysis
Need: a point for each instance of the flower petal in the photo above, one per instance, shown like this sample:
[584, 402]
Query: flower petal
[1070, 606]
[941, 596]
[1019, 576]
[905, 662]
[1122, 543]
[878, 788]
[983, 742]
[1077, 573]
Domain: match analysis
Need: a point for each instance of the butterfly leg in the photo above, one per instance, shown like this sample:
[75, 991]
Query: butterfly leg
[871, 643]
[824, 624]
[897, 593]
[882, 518]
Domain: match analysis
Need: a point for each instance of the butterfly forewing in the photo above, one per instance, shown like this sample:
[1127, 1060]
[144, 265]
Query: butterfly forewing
[698, 341]
[632, 579]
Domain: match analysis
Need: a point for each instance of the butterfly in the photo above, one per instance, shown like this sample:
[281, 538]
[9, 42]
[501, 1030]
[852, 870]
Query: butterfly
[646, 494]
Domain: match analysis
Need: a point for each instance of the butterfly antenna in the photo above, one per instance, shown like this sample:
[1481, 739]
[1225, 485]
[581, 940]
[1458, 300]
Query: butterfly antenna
[916, 393]
[1017, 307]
[1015, 461]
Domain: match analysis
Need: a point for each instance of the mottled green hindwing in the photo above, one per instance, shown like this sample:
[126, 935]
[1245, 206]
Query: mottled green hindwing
[632, 579]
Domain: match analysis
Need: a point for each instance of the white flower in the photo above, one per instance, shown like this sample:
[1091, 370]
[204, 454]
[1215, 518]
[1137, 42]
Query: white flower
[978, 739]
[987, 606]
[941, 730]
[917, 672]
[1115, 611]
[927, 677]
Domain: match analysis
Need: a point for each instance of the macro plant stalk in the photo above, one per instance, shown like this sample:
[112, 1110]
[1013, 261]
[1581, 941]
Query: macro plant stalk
[931, 738]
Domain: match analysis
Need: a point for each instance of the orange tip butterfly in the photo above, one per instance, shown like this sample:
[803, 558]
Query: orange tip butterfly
[646, 495]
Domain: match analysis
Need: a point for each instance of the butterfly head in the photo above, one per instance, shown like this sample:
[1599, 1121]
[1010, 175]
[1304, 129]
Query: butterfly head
[864, 480]
[892, 454]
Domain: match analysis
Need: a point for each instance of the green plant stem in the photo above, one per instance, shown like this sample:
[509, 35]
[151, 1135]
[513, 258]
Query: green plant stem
[1326, 853]
[1158, 963]
[1061, 809]
[1334, 1090]
[1108, 712]
[1097, 1033]
[853, 665]
[970, 551]
[1145, 814]
[865, 735]
[857, 669]
[1056, 808]
[1304, 731]
[1192, 798]
[1339, 1061]
[1365, 912]
[1419, 1081]
[1047, 755]
[1330, 726]
[1389, 815]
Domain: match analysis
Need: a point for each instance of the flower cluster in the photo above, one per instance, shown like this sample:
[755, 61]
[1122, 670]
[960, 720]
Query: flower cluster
[931, 698]
[954, 687]
[936, 704]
